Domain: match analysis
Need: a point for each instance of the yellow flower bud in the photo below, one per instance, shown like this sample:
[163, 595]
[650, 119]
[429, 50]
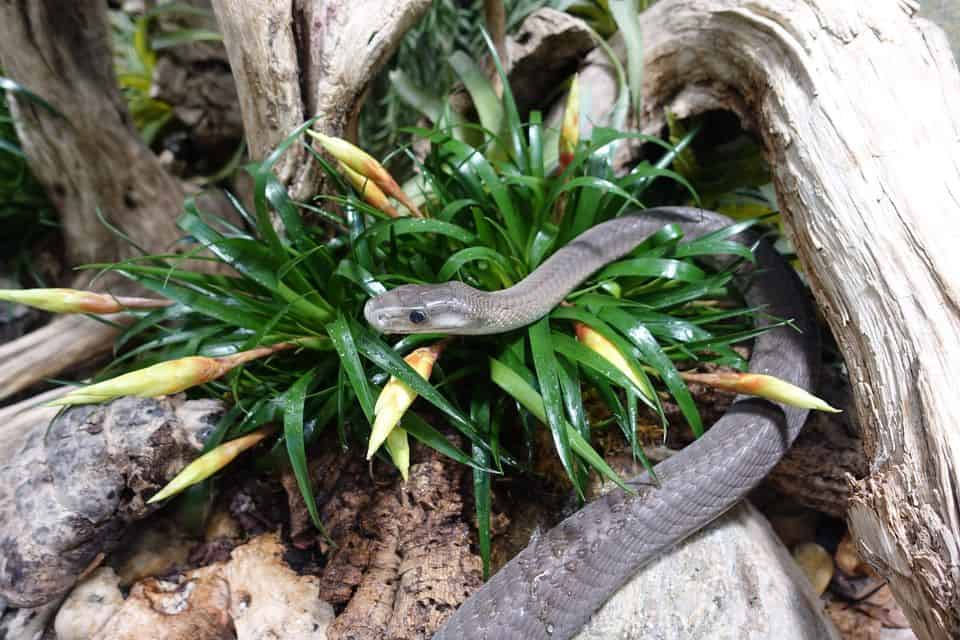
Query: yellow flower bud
[210, 462]
[570, 129]
[398, 445]
[764, 386]
[364, 164]
[606, 349]
[369, 191]
[77, 301]
[165, 378]
[396, 397]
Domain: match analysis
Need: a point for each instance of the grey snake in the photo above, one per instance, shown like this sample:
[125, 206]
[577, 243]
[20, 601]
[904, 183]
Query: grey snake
[551, 589]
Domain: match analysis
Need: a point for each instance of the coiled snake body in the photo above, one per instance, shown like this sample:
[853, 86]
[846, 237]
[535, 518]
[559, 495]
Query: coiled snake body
[552, 588]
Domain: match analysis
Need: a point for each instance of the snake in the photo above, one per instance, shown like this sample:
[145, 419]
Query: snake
[550, 590]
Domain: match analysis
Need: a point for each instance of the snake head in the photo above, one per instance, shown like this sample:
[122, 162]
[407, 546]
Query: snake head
[413, 308]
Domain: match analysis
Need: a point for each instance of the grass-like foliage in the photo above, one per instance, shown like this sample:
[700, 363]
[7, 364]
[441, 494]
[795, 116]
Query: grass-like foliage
[24, 207]
[495, 206]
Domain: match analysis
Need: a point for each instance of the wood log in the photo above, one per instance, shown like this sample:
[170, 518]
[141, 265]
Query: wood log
[855, 105]
[90, 160]
[296, 59]
[71, 487]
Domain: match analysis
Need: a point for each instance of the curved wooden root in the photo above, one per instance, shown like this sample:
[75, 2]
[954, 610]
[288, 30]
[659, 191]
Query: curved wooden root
[91, 161]
[856, 106]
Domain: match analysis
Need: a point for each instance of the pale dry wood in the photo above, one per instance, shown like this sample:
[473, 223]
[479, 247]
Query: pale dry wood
[855, 104]
[44, 353]
[91, 159]
[296, 59]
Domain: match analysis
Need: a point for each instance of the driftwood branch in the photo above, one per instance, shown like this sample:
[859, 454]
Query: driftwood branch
[91, 161]
[856, 106]
[295, 59]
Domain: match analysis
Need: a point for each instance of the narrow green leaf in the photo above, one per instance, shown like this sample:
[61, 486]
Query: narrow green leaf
[514, 384]
[500, 264]
[481, 92]
[666, 268]
[587, 357]
[293, 435]
[545, 365]
[343, 342]
[626, 14]
[650, 350]
[390, 362]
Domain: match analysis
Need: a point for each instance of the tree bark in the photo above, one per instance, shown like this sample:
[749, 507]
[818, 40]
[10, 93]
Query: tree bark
[296, 59]
[91, 161]
[855, 104]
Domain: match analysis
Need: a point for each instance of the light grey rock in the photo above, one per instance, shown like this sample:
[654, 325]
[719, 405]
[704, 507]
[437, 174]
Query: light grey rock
[732, 581]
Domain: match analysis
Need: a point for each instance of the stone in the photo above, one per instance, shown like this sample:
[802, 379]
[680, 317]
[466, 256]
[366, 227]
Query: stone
[733, 580]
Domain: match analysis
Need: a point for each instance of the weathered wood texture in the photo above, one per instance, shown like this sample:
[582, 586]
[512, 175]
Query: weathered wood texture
[856, 105]
[296, 59]
[70, 488]
[91, 159]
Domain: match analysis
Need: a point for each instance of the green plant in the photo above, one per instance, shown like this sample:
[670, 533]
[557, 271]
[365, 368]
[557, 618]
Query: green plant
[419, 70]
[491, 218]
[24, 206]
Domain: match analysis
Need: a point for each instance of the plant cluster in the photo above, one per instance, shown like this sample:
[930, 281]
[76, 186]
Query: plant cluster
[282, 337]
[136, 41]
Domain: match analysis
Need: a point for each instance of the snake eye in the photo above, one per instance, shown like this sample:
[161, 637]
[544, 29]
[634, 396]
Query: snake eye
[416, 317]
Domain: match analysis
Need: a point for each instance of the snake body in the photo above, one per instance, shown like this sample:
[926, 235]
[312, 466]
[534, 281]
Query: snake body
[552, 588]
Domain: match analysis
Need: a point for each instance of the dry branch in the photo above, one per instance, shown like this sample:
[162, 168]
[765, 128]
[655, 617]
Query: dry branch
[90, 159]
[855, 104]
[296, 59]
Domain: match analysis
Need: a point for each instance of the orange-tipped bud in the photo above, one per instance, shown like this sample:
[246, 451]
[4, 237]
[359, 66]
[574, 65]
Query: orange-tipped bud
[757, 384]
[76, 301]
[209, 463]
[165, 378]
[369, 191]
[606, 349]
[398, 445]
[570, 129]
[396, 397]
[364, 164]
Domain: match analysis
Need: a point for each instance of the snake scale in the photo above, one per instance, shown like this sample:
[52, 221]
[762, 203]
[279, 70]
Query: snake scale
[552, 588]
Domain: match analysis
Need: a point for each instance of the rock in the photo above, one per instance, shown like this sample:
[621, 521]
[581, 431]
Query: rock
[732, 581]
[268, 599]
[89, 606]
[254, 595]
[189, 607]
[154, 550]
[28, 624]
[72, 488]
